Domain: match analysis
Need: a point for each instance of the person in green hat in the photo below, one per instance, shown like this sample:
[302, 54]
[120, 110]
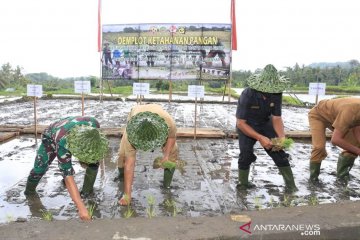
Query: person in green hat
[342, 117]
[78, 136]
[258, 118]
[148, 127]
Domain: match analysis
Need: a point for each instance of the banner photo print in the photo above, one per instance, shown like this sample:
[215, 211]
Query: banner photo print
[166, 51]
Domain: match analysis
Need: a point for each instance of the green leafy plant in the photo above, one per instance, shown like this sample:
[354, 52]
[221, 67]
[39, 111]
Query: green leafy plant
[258, 203]
[46, 215]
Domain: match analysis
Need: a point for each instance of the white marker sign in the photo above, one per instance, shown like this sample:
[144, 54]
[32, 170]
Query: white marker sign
[34, 90]
[317, 88]
[82, 86]
[141, 88]
[196, 91]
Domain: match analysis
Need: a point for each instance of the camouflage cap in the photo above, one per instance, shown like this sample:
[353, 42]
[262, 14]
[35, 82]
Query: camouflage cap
[268, 81]
[147, 131]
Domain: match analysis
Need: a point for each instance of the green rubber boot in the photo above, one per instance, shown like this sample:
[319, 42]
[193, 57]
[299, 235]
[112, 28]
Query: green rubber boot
[244, 180]
[344, 165]
[168, 176]
[89, 180]
[314, 171]
[30, 187]
[288, 176]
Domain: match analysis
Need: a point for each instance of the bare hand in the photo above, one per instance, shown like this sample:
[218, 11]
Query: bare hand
[84, 214]
[265, 142]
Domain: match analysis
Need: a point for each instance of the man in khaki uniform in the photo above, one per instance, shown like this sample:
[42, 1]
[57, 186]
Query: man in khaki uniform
[342, 116]
[149, 126]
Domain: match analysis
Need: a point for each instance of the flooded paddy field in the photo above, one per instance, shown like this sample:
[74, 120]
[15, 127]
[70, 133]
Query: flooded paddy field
[206, 188]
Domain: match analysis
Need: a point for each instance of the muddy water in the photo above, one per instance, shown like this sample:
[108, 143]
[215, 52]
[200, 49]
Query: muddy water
[208, 186]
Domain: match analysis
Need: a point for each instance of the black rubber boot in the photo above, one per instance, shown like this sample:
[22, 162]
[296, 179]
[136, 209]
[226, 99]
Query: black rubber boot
[89, 180]
[288, 176]
[168, 176]
[344, 165]
[314, 171]
[244, 180]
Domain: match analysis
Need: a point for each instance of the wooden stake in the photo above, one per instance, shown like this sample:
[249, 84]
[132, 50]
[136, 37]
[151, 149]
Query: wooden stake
[195, 118]
[82, 104]
[35, 120]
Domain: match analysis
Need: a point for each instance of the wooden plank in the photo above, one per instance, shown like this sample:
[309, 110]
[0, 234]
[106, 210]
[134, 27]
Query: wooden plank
[200, 133]
[4, 136]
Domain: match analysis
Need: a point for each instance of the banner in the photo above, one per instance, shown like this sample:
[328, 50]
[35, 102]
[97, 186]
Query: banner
[166, 51]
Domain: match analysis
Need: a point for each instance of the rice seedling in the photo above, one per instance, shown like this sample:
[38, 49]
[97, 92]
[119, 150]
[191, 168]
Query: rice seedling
[170, 204]
[151, 209]
[91, 209]
[46, 215]
[313, 200]
[129, 211]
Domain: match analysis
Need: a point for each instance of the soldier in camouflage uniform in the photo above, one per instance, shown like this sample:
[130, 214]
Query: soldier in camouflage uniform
[258, 118]
[54, 144]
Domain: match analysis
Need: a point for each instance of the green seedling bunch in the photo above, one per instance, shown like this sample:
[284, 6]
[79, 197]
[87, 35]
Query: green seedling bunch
[91, 209]
[46, 215]
[86, 143]
[178, 164]
[281, 144]
[313, 200]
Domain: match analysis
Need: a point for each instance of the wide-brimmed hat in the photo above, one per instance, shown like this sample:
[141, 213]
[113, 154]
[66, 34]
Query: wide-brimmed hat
[268, 81]
[147, 131]
[87, 144]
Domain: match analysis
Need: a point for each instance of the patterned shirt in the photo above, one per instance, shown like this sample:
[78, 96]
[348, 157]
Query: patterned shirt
[57, 132]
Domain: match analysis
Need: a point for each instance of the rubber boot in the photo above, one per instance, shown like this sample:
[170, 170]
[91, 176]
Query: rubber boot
[314, 171]
[168, 176]
[30, 187]
[89, 180]
[344, 165]
[244, 180]
[288, 176]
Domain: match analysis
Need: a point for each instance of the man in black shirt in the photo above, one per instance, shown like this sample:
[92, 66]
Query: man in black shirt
[258, 118]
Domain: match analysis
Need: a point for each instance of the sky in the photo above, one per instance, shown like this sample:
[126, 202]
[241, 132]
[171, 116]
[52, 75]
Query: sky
[60, 36]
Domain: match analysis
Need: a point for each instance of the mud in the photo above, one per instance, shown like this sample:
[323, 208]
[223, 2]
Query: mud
[207, 188]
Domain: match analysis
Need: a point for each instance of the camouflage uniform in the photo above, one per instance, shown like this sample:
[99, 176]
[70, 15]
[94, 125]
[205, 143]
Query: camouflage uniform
[54, 145]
